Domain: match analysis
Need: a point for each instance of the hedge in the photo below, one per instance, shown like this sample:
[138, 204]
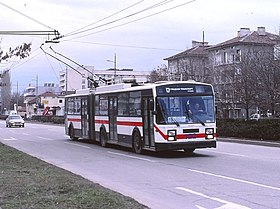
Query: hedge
[49, 119]
[266, 129]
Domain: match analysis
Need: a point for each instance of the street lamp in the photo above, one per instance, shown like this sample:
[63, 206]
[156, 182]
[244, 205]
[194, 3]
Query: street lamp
[115, 66]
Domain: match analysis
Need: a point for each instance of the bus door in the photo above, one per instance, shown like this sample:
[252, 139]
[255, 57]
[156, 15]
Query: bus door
[84, 117]
[148, 123]
[113, 135]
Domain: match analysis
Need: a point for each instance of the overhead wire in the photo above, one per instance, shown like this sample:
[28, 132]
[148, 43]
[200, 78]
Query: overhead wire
[105, 18]
[124, 46]
[126, 23]
[5, 5]
[122, 18]
[49, 62]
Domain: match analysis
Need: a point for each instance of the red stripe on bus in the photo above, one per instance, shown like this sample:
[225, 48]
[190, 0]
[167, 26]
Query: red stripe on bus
[183, 136]
[129, 123]
[74, 119]
[160, 132]
[121, 123]
[102, 121]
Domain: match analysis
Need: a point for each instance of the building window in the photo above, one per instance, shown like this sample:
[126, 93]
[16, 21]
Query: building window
[225, 57]
[277, 52]
[218, 59]
[238, 56]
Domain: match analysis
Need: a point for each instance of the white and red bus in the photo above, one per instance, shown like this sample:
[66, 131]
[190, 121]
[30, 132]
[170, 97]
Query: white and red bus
[157, 117]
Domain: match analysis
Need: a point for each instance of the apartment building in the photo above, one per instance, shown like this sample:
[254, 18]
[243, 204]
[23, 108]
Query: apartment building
[80, 78]
[240, 70]
[191, 64]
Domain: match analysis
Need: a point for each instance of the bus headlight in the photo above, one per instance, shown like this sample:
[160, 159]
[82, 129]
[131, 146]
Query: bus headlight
[171, 135]
[209, 133]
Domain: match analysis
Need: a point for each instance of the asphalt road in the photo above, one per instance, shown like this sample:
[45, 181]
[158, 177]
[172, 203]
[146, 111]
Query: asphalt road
[232, 176]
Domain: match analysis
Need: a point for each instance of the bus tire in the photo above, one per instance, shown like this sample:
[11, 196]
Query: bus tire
[189, 150]
[137, 142]
[72, 133]
[103, 138]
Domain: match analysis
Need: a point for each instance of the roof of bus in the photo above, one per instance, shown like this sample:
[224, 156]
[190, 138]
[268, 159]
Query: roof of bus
[128, 87]
[122, 87]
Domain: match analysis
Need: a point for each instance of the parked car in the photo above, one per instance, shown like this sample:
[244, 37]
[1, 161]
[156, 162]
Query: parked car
[14, 120]
[255, 116]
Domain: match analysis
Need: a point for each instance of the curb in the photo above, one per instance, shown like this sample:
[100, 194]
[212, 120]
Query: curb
[249, 141]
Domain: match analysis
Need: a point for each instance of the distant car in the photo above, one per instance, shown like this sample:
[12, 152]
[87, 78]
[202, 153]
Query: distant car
[14, 120]
[255, 116]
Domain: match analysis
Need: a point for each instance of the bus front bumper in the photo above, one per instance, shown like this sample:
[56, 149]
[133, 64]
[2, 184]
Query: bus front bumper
[184, 145]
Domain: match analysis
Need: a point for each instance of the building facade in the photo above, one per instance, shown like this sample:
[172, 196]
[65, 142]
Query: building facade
[80, 78]
[244, 71]
[191, 64]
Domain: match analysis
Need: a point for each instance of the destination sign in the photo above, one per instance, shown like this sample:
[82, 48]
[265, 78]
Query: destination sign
[184, 89]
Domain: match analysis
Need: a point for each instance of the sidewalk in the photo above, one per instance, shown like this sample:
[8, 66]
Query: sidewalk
[249, 141]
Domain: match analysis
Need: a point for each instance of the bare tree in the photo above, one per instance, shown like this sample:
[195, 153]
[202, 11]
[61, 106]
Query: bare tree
[252, 82]
[246, 82]
[22, 51]
[268, 78]
[159, 74]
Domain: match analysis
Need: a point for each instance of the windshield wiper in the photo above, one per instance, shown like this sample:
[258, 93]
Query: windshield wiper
[194, 116]
[175, 121]
[199, 120]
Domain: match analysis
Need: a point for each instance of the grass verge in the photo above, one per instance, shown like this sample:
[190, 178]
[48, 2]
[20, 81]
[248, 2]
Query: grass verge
[27, 182]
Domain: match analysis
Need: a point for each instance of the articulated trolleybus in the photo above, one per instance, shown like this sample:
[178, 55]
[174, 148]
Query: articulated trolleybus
[159, 116]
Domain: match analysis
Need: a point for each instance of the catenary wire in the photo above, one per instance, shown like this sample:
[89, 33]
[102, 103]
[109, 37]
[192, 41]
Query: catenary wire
[5, 5]
[122, 18]
[68, 34]
[124, 46]
[126, 23]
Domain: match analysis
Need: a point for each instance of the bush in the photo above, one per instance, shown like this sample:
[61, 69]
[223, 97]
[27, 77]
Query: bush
[58, 119]
[48, 119]
[268, 129]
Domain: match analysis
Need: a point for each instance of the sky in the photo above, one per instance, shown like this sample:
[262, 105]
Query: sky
[140, 32]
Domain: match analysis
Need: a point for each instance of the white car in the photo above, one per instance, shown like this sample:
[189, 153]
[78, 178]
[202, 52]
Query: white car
[14, 120]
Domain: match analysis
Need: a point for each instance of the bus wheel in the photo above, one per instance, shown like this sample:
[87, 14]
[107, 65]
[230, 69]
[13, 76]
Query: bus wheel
[137, 143]
[103, 138]
[72, 133]
[188, 150]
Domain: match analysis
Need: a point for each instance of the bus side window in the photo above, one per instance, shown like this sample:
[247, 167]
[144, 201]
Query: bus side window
[97, 108]
[104, 106]
[135, 103]
[122, 104]
[77, 106]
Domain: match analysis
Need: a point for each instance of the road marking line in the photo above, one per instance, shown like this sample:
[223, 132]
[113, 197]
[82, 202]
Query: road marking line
[78, 145]
[227, 203]
[225, 153]
[45, 138]
[129, 156]
[235, 179]
[10, 139]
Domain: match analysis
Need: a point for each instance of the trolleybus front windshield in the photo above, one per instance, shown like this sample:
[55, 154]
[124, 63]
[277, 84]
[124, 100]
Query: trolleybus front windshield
[185, 109]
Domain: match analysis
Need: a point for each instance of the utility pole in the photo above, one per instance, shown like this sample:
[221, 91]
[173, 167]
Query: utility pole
[36, 97]
[115, 67]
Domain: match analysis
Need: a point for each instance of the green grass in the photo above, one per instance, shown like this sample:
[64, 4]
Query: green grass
[29, 183]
